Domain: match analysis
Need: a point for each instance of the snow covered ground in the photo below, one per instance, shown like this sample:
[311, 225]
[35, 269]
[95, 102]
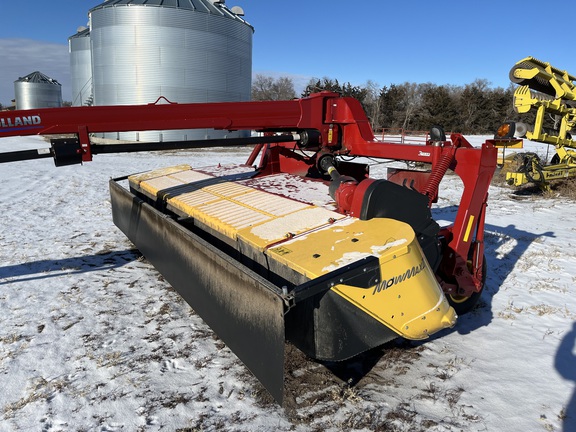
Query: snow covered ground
[93, 339]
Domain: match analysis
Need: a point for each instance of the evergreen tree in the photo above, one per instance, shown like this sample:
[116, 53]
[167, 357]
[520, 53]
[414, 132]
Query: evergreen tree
[438, 107]
[474, 107]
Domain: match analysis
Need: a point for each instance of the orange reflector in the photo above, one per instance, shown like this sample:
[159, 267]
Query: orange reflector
[503, 130]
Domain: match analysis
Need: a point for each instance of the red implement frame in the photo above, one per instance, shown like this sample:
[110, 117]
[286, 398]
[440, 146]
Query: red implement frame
[340, 127]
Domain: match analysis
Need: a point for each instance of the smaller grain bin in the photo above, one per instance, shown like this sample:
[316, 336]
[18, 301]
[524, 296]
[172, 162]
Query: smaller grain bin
[37, 90]
[81, 67]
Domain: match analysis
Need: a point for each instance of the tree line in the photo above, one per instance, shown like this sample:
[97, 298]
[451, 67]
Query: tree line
[474, 108]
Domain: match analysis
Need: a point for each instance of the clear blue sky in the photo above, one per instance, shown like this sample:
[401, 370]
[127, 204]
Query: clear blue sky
[442, 42]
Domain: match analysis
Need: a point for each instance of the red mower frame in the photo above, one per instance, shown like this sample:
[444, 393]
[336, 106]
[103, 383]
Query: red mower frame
[325, 125]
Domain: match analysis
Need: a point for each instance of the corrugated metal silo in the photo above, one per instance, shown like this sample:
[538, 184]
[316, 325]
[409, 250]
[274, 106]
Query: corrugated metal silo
[37, 90]
[81, 67]
[184, 50]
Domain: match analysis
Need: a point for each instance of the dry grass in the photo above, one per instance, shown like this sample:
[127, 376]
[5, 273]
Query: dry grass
[562, 189]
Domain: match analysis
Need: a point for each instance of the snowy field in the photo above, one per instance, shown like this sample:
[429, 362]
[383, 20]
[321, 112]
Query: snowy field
[93, 339]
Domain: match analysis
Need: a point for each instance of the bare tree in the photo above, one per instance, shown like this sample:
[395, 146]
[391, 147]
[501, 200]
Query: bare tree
[372, 103]
[268, 88]
[411, 101]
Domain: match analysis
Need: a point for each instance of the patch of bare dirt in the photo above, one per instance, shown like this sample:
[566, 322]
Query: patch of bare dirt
[317, 390]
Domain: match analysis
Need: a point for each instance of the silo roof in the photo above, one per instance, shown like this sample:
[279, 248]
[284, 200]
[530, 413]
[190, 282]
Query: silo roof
[38, 77]
[82, 32]
[214, 7]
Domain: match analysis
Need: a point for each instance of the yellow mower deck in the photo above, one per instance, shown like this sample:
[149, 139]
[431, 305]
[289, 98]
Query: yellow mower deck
[265, 260]
[301, 242]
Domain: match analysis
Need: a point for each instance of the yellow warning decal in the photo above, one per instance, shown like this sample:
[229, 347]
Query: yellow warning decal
[468, 228]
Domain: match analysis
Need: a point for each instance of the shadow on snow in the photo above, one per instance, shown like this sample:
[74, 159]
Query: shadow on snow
[565, 363]
[499, 266]
[50, 268]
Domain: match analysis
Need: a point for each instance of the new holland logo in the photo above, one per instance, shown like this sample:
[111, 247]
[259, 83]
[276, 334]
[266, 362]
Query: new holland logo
[24, 121]
[388, 283]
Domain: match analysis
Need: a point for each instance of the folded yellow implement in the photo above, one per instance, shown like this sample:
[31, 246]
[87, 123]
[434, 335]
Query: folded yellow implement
[551, 92]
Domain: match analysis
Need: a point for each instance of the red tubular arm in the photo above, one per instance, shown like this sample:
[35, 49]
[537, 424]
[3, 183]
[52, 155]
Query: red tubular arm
[344, 130]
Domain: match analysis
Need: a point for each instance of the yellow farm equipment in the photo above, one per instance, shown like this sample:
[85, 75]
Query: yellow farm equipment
[551, 92]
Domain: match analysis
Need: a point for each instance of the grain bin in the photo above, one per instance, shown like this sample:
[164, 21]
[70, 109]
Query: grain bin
[184, 50]
[81, 67]
[37, 90]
